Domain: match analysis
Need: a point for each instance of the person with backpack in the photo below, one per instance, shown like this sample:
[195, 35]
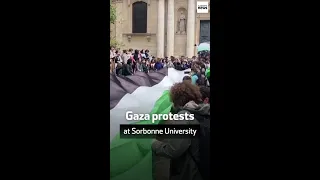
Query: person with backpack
[136, 58]
[188, 158]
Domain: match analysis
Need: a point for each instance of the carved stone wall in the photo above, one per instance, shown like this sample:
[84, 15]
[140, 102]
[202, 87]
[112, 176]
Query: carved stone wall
[123, 29]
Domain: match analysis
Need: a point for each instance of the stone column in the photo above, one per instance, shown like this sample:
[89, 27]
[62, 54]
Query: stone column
[160, 32]
[170, 29]
[191, 27]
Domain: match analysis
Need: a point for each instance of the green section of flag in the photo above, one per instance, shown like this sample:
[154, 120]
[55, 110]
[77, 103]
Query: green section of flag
[132, 158]
[207, 73]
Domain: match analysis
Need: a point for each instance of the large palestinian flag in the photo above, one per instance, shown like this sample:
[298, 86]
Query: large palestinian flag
[131, 159]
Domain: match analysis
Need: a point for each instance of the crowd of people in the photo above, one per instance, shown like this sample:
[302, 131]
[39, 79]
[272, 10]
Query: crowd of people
[186, 159]
[127, 62]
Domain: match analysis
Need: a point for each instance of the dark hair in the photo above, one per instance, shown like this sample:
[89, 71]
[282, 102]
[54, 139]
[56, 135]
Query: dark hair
[124, 51]
[205, 92]
[201, 81]
[136, 51]
[182, 93]
[193, 69]
[130, 49]
[186, 78]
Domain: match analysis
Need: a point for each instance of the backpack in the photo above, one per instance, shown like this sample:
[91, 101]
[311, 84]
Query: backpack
[117, 59]
[129, 61]
[204, 146]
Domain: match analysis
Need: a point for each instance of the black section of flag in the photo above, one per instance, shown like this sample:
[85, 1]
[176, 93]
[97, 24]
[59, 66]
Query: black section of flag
[120, 86]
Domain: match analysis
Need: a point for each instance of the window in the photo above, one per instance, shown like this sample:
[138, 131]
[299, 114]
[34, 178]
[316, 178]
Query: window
[139, 17]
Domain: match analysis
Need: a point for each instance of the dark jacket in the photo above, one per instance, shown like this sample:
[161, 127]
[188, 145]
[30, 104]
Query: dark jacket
[144, 68]
[177, 66]
[158, 66]
[177, 152]
[119, 70]
[136, 57]
[185, 66]
[126, 70]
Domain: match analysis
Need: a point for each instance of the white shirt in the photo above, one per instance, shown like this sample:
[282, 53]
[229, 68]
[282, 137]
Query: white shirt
[112, 54]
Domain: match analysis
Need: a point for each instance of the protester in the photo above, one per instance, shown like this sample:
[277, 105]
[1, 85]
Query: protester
[144, 67]
[158, 65]
[147, 54]
[117, 57]
[165, 62]
[136, 57]
[112, 52]
[194, 75]
[185, 65]
[152, 65]
[170, 64]
[127, 69]
[131, 55]
[142, 53]
[187, 79]
[207, 63]
[183, 154]
[178, 66]
[125, 57]
[138, 65]
[119, 69]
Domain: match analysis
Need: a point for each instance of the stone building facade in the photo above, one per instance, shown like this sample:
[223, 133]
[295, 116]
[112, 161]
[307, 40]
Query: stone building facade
[165, 27]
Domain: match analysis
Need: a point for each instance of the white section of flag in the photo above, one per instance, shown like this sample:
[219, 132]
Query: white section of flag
[142, 100]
